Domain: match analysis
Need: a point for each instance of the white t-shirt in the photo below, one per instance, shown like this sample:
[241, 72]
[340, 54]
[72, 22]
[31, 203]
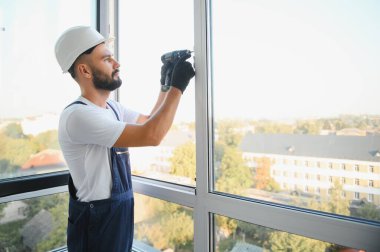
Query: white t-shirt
[85, 133]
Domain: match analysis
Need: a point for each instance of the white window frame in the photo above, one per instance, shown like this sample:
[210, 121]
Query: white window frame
[356, 168]
[357, 196]
[371, 183]
[370, 197]
[204, 201]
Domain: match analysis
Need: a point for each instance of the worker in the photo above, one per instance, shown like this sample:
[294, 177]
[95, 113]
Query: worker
[95, 133]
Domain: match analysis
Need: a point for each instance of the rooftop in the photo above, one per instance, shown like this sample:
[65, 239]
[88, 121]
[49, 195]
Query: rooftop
[363, 148]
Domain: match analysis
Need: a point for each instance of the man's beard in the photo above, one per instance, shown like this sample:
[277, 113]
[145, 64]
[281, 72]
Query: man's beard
[103, 82]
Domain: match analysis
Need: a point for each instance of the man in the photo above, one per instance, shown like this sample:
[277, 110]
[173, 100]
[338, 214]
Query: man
[95, 133]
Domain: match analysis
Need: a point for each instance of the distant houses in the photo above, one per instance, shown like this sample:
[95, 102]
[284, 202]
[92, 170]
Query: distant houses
[148, 161]
[48, 160]
[14, 211]
[37, 229]
[312, 163]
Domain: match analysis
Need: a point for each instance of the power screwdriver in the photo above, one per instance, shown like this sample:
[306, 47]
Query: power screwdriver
[174, 57]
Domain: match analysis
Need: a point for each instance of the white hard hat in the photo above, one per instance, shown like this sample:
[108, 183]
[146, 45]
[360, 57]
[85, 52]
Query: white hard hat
[73, 42]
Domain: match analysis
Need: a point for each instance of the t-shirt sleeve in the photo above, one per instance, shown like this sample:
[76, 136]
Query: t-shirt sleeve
[128, 115]
[91, 126]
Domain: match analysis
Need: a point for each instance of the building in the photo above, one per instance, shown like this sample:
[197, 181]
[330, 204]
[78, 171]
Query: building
[37, 229]
[14, 211]
[244, 247]
[157, 159]
[45, 161]
[313, 163]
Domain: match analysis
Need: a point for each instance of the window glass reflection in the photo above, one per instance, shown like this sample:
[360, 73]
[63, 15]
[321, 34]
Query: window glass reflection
[235, 235]
[144, 35]
[162, 225]
[296, 118]
[37, 224]
[33, 90]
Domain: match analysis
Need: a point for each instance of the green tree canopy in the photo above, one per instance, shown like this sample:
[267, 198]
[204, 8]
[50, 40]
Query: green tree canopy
[48, 139]
[281, 241]
[228, 133]
[308, 127]
[183, 161]
[14, 130]
[58, 207]
[368, 211]
[235, 176]
[17, 150]
[263, 179]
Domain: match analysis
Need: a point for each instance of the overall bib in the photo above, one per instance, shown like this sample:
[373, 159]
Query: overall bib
[104, 225]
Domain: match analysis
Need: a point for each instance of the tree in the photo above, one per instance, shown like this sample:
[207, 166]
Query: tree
[226, 225]
[308, 127]
[6, 167]
[368, 211]
[14, 130]
[152, 234]
[183, 161]
[270, 127]
[10, 236]
[281, 241]
[180, 229]
[59, 212]
[48, 140]
[235, 176]
[327, 125]
[2, 206]
[263, 179]
[254, 234]
[336, 203]
[169, 230]
[219, 149]
[228, 134]
[163, 224]
[17, 150]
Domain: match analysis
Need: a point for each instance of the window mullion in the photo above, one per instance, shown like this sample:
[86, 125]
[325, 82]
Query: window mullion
[202, 225]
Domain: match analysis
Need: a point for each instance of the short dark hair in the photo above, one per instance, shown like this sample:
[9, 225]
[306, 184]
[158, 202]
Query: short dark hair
[72, 69]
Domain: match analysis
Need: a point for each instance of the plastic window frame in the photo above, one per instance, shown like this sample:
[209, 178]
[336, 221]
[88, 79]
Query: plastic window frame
[205, 202]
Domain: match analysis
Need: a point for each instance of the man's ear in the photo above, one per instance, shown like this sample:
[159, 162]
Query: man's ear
[84, 70]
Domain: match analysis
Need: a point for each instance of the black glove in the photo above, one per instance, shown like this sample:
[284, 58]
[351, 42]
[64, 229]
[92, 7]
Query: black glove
[164, 68]
[182, 73]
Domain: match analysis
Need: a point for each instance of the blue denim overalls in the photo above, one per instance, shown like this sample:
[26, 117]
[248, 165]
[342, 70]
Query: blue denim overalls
[104, 225]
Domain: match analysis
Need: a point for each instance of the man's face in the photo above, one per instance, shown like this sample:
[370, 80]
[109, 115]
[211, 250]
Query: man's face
[105, 69]
[105, 82]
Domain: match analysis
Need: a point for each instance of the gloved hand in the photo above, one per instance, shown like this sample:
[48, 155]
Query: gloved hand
[164, 69]
[182, 73]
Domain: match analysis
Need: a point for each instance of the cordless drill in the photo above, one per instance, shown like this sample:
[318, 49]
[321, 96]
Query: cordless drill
[173, 58]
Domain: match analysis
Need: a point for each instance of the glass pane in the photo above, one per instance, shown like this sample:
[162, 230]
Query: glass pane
[147, 30]
[302, 122]
[37, 224]
[162, 225]
[33, 90]
[235, 235]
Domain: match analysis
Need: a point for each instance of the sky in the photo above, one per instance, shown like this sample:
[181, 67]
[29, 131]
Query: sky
[290, 59]
[271, 59]
[31, 81]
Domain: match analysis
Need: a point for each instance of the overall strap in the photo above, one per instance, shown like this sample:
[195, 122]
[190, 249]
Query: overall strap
[114, 111]
[80, 102]
[72, 189]
[76, 102]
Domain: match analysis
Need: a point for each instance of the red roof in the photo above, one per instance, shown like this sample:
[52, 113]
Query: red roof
[44, 158]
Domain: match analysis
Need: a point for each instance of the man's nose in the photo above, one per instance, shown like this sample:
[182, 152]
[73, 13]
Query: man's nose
[116, 64]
